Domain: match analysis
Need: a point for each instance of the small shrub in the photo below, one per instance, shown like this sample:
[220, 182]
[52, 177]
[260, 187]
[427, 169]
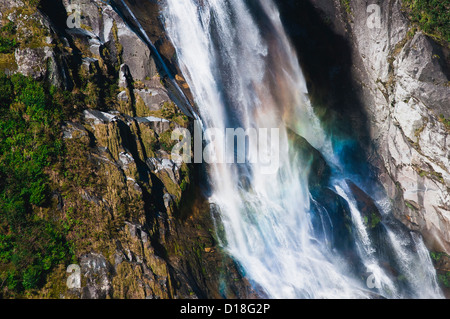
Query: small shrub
[29, 143]
[7, 41]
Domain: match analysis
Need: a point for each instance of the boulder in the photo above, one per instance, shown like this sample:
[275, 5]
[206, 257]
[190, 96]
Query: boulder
[319, 170]
[96, 272]
[153, 98]
[332, 223]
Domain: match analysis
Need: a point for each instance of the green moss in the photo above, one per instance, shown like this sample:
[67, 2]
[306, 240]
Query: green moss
[375, 220]
[445, 121]
[31, 33]
[346, 5]
[87, 27]
[410, 206]
[420, 130]
[7, 46]
[170, 112]
[431, 16]
[431, 174]
[8, 62]
[444, 279]
[7, 38]
[29, 144]
[140, 108]
[437, 256]
[92, 93]
[149, 140]
[33, 3]
[165, 141]
[372, 220]
[171, 186]
[366, 220]
[118, 45]
[183, 185]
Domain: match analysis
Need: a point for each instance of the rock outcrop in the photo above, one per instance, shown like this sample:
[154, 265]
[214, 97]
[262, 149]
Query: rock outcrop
[138, 224]
[135, 219]
[401, 76]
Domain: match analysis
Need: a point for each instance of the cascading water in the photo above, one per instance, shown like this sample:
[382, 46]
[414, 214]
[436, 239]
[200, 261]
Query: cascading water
[243, 73]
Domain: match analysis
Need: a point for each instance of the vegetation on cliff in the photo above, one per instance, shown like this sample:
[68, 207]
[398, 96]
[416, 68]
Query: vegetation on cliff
[432, 16]
[7, 41]
[85, 178]
[36, 232]
[30, 143]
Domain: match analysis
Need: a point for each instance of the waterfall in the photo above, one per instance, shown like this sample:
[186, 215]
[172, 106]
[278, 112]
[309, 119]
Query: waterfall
[244, 73]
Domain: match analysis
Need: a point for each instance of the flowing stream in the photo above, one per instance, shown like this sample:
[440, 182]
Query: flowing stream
[290, 243]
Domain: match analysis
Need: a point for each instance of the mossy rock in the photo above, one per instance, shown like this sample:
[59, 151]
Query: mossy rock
[369, 211]
[330, 207]
[441, 262]
[8, 62]
[319, 170]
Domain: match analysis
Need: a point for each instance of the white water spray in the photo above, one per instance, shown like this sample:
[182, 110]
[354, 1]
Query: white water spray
[241, 77]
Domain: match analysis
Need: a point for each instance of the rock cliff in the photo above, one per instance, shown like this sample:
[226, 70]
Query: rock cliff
[375, 75]
[402, 78]
[136, 221]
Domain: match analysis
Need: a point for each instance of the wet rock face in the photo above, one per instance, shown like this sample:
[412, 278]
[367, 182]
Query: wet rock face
[96, 271]
[152, 98]
[399, 78]
[141, 234]
[319, 171]
[105, 29]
